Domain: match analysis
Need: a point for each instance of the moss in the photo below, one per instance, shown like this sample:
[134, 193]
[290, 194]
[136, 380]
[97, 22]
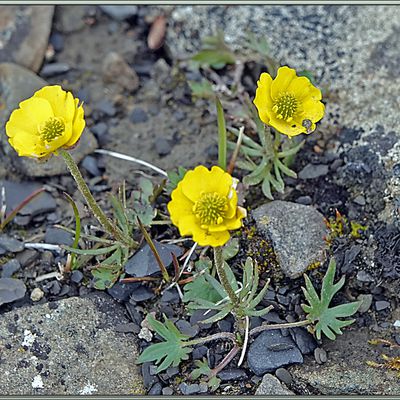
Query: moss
[137, 386]
[314, 265]
[341, 226]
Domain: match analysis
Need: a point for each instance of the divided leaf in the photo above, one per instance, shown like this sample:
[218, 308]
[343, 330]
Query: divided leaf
[169, 352]
[318, 309]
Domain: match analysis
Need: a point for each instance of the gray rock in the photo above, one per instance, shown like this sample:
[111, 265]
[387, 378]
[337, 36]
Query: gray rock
[138, 116]
[10, 244]
[270, 350]
[76, 276]
[163, 147]
[119, 12]
[364, 276]
[16, 85]
[54, 69]
[53, 338]
[58, 236]
[167, 391]
[187, 329]
[116, 70]
[10, 268]
[305, 200]
[312, 171]
[70, 19]
[284, 376]
[304, 340]
[233, 374]
[106, 107]
[24, 32]
[381, 305]
[16, 192]
[189, 389]
[11, 290]
[90, 164]
[142, 293]
[297, 233]
[271, 386]
[143, 263]
[346, 371]
[320, 355]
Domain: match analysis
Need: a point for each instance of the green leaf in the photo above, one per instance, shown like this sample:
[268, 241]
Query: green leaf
[231, 249]
[202, 369]
[256, 176]
[266, 188]
[169, 352]
[108, 272]
[174, 177]
[286, 170]
[91, 252]
[214, 53]
[203, 89]
[220, 315]
[200, 288]
[221, 135]
[308, 74]
[326, 319]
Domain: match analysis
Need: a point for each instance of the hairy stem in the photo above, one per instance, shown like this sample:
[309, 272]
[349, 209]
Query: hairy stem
[90, 200]
[215, 336]
[279, 326]
[227, 359]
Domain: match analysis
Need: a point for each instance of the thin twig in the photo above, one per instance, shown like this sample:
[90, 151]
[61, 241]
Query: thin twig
[235, 153]
[278, 326]
[50, 275]
[43, 246]
[132, 159]
[246, 340]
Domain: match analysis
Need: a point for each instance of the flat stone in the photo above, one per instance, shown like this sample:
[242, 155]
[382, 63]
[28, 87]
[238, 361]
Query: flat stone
[24, 32]
[297, 234]
[381, 305]
[271, 386]
[366, 301]
[53, 69]
[143, 263]
[313, 171]
[58, 236]
[233, 374]
[16, 192]
[304, 340]
[346, 371]
[119, 12]
[18, 84]
[9, 268]
[270, 350]
[10, 244]
[116, 70]
[189, 389]
[11, 290]
[138, 115]
[49, 340]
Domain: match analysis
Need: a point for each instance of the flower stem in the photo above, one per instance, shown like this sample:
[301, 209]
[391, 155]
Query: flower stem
[215, 336]
[219, 265]
[90, 200]
[279, 326]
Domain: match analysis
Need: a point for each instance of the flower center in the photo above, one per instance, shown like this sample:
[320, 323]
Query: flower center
[210, 208]
[52, 129]
[286, 106]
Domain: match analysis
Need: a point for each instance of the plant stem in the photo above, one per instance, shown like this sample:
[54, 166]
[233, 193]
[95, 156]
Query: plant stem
[227, 359]
[221, 135]
[278, 326]
[216, 336]
[90, 200]
[219, 265]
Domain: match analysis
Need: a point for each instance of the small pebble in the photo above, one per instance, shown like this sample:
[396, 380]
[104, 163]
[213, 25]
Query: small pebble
[9, 268]
[54, 69]
[167, 391]
[305, 200]
[381, 305]
[37, 294]
[138, 115]
[156, 389]
[163, 147]
[106, 107]
[360, 200]
[284, 375]
[76, 276]
[189, 389]
[320, 355]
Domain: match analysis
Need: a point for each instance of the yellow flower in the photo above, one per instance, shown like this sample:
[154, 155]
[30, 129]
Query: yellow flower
[288, 103]
[204, 205]
[51, 119]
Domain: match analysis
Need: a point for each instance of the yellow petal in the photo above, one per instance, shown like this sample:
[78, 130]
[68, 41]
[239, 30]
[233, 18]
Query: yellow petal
[292, 128]
[232, 205]
[201, 180]
[62, 102]
[282, 81]
[313, 110]
[263, 100]
[36, 110]
[179, 205]
[78, 125]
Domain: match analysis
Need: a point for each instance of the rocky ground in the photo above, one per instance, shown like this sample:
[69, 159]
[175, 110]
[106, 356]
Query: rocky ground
[137, 101]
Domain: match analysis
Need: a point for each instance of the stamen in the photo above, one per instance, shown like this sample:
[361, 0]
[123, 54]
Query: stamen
[52, 128]
[210, 209]
[285, 107]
